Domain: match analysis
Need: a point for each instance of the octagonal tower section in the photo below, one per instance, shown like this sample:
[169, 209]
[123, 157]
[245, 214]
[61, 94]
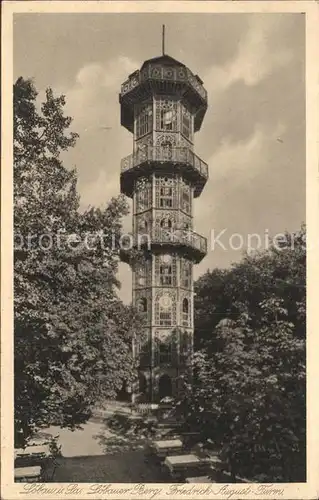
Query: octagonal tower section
[163, 104]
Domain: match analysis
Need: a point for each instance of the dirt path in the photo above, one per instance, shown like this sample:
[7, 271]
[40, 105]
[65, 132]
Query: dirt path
[95, 454]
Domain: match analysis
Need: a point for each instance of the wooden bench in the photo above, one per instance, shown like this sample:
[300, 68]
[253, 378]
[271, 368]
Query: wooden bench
[40, 456]
[27, 474]
[163, 448]
[34, 449]
[182, 466]
[32, 455]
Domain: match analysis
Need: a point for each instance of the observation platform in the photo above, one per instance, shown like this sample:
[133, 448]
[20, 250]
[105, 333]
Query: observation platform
[161, 160]
[188, 243]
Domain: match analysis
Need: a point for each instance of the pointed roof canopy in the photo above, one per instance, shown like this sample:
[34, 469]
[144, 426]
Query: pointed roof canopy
[165, 60]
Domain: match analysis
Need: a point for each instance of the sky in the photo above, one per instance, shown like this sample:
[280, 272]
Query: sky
[253, 134]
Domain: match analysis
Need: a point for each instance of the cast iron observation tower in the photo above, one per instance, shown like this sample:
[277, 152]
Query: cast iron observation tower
[163, 104]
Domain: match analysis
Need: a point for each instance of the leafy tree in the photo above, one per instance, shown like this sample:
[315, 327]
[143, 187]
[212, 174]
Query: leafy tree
[212, 303]
[281, 271]
[73, 336]
[249, 392]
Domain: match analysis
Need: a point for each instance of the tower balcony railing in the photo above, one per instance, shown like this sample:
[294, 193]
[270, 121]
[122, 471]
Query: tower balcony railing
[185, 238]
[180, 236]
[158, 72]
[180, 155]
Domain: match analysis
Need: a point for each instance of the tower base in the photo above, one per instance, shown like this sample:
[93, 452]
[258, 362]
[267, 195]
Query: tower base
[158, 384]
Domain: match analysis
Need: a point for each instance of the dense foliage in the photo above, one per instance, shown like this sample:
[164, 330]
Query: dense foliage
[73, 336]
[250, 375]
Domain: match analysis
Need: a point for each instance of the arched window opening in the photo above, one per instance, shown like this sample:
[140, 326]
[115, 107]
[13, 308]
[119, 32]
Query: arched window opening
[144, 120]
[185, 312]
[167, 119]
[186, 274]
[165, 317]
[166, 270]
[167, 150]
[166, 114]
[166, 229]
[186, 123]
[166, 223]
[185, 306]
[186, 199]
[143, 191]
[165, 310]
[165, 192]
[141, 274]
[166, 197]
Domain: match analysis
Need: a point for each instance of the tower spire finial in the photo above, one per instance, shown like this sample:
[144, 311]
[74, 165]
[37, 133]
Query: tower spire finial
[163, 40]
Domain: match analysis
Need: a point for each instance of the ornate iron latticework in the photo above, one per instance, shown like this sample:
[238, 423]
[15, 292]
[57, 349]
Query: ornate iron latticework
[163, 104]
